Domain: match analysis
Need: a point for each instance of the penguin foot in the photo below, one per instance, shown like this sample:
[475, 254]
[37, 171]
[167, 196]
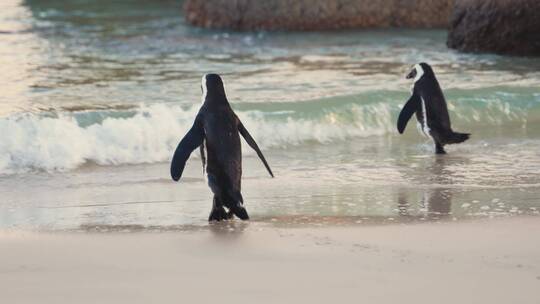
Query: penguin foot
[240, 212]
[439, 149]
[219, 214]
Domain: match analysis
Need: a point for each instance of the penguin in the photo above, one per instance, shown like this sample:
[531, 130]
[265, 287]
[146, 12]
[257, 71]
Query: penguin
[216, 131]
[428, 102]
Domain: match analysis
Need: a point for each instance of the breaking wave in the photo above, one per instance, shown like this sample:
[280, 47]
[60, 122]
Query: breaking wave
[148, 134]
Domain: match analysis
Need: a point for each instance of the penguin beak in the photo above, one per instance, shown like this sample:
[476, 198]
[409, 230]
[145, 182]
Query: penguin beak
[412, 74]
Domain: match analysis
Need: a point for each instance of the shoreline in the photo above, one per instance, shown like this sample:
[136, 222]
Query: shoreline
[381, 264]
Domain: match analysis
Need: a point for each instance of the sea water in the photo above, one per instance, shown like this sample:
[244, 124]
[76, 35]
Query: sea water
[95, 96]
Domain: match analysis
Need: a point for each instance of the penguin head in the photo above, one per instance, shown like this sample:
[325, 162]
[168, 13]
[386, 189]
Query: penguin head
[419, 70]
[212, 89]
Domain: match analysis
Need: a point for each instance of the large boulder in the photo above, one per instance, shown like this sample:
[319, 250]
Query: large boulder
[498, 26]
[317, 14]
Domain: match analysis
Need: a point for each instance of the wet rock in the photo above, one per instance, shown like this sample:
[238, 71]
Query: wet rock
[499, 26]
[317, 14]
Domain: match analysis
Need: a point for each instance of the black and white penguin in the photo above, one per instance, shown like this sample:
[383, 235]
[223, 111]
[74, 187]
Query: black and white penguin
[429, 104]
[216, 129]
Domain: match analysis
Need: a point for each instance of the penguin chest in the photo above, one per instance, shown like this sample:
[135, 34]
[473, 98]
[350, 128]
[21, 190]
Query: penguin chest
[422, 117]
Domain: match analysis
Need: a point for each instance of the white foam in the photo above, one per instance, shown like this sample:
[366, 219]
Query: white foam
[36, 142]
[153, 132]
[369, 120]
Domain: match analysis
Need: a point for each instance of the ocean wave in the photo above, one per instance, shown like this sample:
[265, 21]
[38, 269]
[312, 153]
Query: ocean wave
[148, 134]
[63, 142]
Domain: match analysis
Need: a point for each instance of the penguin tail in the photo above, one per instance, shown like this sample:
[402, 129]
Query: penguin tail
[456, 138]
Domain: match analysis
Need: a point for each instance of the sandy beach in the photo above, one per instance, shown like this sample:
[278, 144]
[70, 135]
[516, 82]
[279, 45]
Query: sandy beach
[486, 261]
[96, 95]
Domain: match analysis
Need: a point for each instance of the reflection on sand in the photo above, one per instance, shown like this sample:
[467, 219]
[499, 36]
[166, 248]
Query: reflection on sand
[435, 204]
[228, 229]
[221, 229]
[235, 228]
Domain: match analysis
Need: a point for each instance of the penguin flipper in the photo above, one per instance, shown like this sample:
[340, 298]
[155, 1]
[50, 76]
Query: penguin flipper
[251, 142]
[190, 142]
[412, 105]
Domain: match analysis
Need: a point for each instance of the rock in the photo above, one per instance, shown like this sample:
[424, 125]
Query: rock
[317, 14]
[499, 26]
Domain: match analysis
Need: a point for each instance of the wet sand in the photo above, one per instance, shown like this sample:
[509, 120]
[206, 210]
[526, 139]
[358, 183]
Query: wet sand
[484, 261]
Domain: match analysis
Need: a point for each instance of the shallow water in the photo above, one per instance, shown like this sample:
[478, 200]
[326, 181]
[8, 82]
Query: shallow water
[96, 95]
